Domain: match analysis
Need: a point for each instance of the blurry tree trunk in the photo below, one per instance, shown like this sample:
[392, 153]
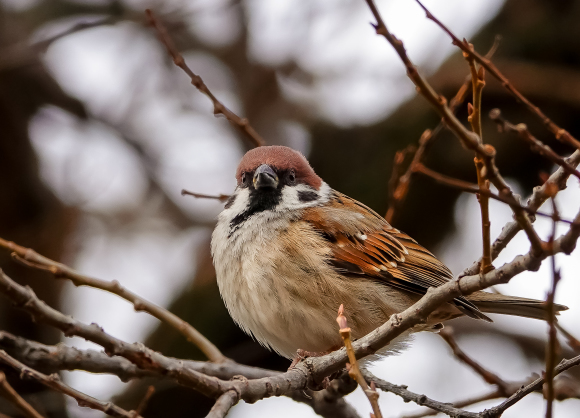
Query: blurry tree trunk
[29, 212]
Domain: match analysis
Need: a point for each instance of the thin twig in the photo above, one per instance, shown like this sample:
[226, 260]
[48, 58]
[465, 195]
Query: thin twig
[473, 188]
[572, 341]
[223, 405]
[478, 83]
[220, 197]
[559, 133]
[536, 385]
[399, 184]
[423, 400]
[218, 107]
[490, 377]
[458, 405]
[353, 369]
[469, 139]
[552, 349]
[534, 202]
[521, 131]
[17, 400]
[54, 382]
[32, 259]
[143, 404]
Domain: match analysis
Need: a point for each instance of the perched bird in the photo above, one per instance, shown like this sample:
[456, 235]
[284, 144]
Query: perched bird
[288, 250]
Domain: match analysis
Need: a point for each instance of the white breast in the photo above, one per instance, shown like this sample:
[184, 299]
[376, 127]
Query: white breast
[276, 285]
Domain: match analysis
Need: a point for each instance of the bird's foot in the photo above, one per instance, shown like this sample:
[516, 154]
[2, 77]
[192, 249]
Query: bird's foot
[303, 354]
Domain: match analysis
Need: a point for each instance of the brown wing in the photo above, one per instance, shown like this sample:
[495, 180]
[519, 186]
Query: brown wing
[364, 244]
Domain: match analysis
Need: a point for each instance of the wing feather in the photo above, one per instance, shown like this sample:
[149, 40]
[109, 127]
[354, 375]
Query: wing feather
[363, 244]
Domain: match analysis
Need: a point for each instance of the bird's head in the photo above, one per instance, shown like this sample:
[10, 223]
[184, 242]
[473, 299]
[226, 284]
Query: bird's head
[275, 178]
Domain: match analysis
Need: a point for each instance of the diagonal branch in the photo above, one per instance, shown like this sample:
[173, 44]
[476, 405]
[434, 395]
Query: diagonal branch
[54, 382]
[399, 184]
[9, 393]
[560, 134]
[353, 368]
[423, 400]
[536, 385]
[32, 259]
[469, 139]
[473, 188]
[218, 107]
[489, 377]
[535, 201]
[521, 131]
[224, 403]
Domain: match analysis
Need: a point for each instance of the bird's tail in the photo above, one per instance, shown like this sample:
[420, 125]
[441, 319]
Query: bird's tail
[512, 305]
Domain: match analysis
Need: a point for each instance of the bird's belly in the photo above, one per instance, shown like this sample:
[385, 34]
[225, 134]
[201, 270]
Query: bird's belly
[287, 296]
[276, 315]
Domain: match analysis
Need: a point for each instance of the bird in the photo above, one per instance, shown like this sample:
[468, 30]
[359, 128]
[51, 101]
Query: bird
[288, 250]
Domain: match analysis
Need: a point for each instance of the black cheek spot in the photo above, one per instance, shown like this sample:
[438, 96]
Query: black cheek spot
[307, 196]
[230, 201]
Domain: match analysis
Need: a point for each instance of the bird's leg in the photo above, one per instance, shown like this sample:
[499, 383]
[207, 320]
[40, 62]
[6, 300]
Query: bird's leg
[302, 354]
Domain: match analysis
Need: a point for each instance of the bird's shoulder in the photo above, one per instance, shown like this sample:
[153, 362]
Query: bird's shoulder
[368, 244]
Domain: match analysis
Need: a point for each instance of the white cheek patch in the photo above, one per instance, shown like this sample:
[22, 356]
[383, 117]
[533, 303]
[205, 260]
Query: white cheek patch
[241, 202]
[291, 197]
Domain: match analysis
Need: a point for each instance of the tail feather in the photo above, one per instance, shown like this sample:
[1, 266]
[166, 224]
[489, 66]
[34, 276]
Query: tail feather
[512, 305]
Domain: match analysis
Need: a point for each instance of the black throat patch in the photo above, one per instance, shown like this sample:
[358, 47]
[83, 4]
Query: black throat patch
[260, 200]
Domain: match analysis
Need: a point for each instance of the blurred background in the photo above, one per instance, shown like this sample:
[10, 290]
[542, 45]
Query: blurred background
[99, 132]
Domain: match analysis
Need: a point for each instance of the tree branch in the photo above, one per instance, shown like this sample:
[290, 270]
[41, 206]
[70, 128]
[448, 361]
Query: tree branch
[560, 134]
[521, 131]
[469, 139]
[353, 368]
[223, 405]
[218, 107]
[491, 378]
[32, 259]
[535, 201]
[536, 385]
[54, 382]
[13, 397]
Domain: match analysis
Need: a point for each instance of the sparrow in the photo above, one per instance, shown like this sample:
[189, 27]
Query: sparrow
[288, 250]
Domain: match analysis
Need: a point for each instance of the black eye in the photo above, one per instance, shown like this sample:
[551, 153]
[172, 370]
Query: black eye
[291, 177]
[244, 178]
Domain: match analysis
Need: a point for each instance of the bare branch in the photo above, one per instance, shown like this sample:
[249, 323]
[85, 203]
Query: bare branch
[218, 107]
[478, 83]
[353, 368]
[553, 347]
[54, 382]
[32, 259]
[572, 341]
[469, 139]
[536, 385]
[559, 133]
[473, 188]
[489, 377]
[535, 201]
[223, 405]
[409, 396]
[460, 404]
[52, 359]
[521, 131]
[13, 397]
[220, 197]
[399, 184]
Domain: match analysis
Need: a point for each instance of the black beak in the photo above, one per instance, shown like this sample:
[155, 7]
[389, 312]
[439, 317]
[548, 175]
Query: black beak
[265, 178]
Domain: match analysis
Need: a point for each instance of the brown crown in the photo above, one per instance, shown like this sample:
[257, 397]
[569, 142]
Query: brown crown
[280, 158]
